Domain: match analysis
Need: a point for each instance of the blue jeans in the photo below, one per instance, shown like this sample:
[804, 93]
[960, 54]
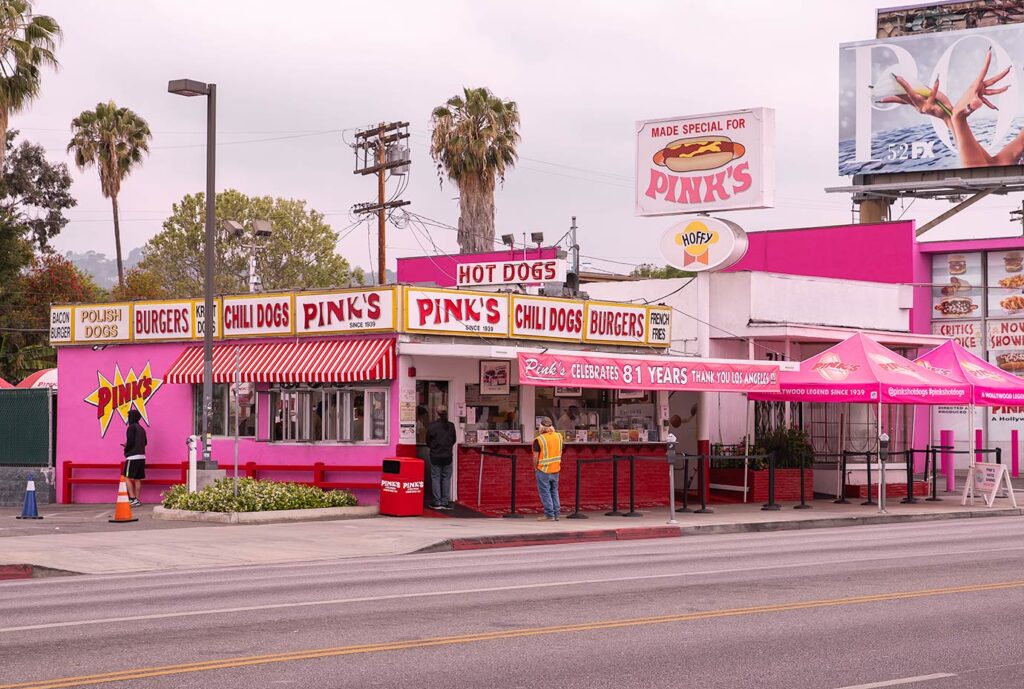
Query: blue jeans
[547, 486]
[441, 483]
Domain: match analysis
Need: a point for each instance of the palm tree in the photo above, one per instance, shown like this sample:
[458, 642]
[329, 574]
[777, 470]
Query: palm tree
[473, 142]
[114, 140]
[27, 43]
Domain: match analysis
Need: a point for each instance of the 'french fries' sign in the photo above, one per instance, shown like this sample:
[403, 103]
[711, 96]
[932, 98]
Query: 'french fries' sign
[722, 161]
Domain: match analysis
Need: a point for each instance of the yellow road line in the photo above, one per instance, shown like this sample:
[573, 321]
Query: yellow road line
[312, 654]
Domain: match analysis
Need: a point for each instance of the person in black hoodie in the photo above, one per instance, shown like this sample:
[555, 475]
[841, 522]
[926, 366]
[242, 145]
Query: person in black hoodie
[135, 456]
[441, 441]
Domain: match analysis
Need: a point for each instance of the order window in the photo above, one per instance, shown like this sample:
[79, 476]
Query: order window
[328, 414]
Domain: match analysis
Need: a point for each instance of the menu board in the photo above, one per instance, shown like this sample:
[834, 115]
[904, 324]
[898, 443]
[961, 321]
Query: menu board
[968, 334]
[956, 286]
[1006, 345]
[1006, 284]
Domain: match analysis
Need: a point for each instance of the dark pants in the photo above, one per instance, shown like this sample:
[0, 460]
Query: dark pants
[441, 483]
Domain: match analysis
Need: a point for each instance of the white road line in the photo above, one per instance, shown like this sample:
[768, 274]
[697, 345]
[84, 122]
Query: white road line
[488, 589]
[898, 682]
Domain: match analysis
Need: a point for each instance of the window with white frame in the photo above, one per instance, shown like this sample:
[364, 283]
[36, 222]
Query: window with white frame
[229, 401]
[321, 414]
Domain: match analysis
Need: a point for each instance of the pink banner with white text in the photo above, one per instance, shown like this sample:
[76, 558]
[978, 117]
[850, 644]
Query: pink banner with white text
[563, 370]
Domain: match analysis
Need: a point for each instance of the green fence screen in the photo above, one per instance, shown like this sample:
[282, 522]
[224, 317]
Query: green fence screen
[26, 431]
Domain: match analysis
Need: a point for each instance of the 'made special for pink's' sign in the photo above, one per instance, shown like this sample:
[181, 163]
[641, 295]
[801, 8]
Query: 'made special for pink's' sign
[257, 315]
[455, 313]
[646, 374]
[345, 311]
[524, 271]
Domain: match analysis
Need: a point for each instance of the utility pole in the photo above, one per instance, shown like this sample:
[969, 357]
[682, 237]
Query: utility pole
[1018, 216]
[377, 151]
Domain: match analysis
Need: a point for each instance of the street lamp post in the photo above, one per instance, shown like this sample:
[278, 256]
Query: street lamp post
[190, 87]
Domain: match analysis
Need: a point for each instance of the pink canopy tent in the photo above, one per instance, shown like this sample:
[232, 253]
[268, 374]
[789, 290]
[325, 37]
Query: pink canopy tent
[992, 386]
[4, 384]
[859, 370]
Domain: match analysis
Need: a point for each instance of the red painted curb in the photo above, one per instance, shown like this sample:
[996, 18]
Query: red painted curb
[15, 572]
[637, 533]
[561, 537]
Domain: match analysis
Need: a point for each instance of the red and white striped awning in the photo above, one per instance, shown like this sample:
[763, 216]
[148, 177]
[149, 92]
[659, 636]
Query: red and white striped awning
[322, 361]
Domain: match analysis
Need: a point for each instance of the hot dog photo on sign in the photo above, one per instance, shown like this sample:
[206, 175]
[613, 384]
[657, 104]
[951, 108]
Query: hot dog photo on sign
[722, 161]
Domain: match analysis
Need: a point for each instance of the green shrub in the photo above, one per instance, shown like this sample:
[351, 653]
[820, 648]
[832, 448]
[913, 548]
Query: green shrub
[255, 496]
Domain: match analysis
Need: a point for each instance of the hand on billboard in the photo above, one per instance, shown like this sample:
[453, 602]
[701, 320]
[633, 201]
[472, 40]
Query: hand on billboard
[976, 94]
[927, 102]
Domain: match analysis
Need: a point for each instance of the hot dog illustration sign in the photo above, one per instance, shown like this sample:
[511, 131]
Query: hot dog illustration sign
[722, 161]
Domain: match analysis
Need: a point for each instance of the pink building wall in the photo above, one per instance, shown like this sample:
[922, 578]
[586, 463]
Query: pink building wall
[442, 270]
[170, 413]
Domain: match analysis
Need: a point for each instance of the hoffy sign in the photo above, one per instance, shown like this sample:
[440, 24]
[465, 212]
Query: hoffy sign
[704, 244]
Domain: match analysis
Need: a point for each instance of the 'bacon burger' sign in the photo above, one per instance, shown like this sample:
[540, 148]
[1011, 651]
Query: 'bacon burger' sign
[722, 161]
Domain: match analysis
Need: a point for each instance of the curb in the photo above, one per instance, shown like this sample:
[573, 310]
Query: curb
[268, 517]
[637, 533]
[552, 538]
[12, 572]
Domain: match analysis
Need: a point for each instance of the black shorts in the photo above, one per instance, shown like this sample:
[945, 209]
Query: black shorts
[135, 468]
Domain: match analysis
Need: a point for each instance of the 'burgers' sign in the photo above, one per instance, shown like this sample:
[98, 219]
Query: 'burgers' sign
[722, 161]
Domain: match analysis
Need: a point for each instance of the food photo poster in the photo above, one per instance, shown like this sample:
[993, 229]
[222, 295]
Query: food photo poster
[957, 286]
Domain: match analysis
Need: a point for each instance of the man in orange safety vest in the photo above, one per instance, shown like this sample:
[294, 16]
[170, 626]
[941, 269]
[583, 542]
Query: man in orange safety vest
[547, 460]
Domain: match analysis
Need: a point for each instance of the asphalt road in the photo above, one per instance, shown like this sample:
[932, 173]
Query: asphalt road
[926, 605]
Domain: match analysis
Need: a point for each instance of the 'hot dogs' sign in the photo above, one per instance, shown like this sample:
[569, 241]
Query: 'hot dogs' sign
[529, 271]
[722, 161]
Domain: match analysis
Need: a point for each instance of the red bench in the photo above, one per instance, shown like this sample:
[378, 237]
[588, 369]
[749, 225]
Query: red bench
[249, 469]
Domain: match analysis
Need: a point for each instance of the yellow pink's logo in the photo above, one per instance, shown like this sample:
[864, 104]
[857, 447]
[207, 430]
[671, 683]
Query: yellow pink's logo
[696, 239]
[121, 394]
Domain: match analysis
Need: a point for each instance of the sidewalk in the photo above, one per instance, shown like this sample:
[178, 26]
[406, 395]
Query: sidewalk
[152, 545]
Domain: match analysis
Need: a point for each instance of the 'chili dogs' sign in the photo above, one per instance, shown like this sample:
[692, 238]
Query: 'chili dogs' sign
[564, 370]
[722, 161]
[255, 315]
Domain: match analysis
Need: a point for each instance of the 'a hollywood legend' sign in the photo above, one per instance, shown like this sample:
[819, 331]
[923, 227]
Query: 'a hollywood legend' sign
[345, 311]
[448, 312]
[527, 271]
[646, 374]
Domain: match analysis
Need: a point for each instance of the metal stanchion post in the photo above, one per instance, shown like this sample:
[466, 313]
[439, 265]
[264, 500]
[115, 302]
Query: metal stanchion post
[803, 502]
[935, 475]
[867, 463]
[701, 483]
[686, 485]
[910, 499]
[771, 504]
[615, 489]
[576, 514]
[512, 514]
[842, 476]
[632, 489]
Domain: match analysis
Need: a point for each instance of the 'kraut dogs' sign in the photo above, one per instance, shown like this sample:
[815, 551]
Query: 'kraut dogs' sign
[705, 162]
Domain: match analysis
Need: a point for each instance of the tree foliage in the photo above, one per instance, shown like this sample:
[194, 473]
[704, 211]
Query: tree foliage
[474, 142]
[300, 253]
[28, 42]
[649, 270]
[25, 312]
[114, 140]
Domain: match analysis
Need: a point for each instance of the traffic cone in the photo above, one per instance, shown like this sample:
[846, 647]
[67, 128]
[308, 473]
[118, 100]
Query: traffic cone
[122, 510]
[30, 511]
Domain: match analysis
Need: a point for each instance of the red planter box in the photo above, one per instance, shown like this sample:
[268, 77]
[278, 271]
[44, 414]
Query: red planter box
[787, 483]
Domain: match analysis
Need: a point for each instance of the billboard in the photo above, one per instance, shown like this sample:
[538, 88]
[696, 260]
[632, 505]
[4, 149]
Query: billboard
[931, 102]
[701, 163]
[948, 15]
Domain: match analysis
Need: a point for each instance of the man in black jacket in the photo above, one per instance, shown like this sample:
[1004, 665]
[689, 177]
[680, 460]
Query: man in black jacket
[135, 456]
[441, 442]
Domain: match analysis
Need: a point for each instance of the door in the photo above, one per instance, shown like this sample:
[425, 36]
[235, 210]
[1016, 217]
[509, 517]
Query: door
[430, 396]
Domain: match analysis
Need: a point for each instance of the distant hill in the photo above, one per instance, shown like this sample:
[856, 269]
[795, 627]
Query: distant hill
[102, 269]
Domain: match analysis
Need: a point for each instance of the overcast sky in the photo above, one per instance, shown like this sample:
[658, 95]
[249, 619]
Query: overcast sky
[291, 77]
